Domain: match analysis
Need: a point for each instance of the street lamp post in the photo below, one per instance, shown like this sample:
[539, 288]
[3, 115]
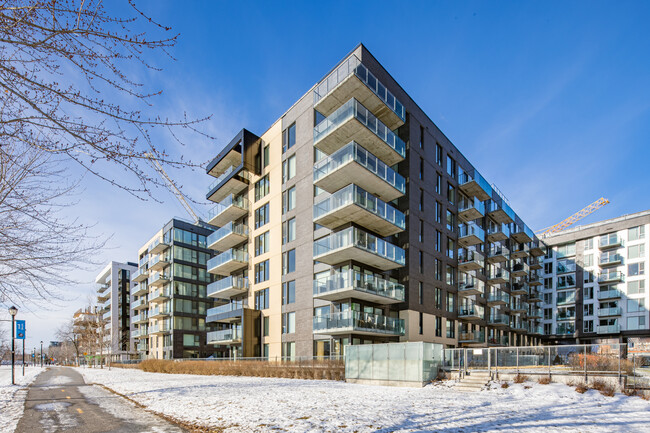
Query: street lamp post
[13, 311]
[41, 354]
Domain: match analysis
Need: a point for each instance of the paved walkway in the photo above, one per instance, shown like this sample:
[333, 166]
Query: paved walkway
[60, 401]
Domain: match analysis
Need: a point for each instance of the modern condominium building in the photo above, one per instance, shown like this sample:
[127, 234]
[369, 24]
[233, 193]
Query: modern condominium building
[169, 300]
[113, 296]
[595, 282]
[352, 220]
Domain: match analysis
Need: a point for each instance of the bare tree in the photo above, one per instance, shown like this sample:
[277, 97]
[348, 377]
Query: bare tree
[69, 334]
[66, 90]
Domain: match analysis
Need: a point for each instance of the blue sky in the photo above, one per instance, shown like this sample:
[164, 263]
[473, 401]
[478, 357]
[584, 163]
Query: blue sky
[549, 100]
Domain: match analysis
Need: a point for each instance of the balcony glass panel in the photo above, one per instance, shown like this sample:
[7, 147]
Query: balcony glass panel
[359, 281]
[467, 256]
[611, 311]
[231, 334]
[221, 177]
[472, 337]
[231, 200]
[227, 283]
[466, 204]
[498, 228]
[227, 308]
[361, 321]
[499, 296]
[228, 229]
[609, 329]
[471, 230]
[466, 177]
[470, 309]
[611, 276]
[565, 328]
[226, 256]
[499, 319]
[610, 257]
[610, 240]
[353, 237]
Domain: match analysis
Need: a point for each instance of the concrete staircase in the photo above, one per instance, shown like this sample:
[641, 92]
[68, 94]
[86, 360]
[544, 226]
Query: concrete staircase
[473, 382]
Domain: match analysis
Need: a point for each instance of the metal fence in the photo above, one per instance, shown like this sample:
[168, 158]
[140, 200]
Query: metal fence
[299, 360]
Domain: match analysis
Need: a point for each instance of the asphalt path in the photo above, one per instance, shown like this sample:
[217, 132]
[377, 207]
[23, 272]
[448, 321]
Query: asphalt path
[60, 401]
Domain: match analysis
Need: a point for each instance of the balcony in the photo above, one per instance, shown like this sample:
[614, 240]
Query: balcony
[353, 204]
[535, 263]
[357, 322]
[565, 329]
[535, 280]
[140, 304]
[470, 209]
[519, 325]
[160, 328]
[160, 312]
[501, 212]
[535, 313]
[354, 164]
[498, 254]
[229, 209]
[232, 182]
[228, 287]
[498, 276]
[471, 311]
[103, 287]
[498, 297]
[352, 79]
[476, 337]
[470, 260]
[228, 236]
[158, 263]
[518, 251]
[497, 232]
[227, 159]
[610, 260]
[474, 185]
[569, 298]
[519, 269]
[522, 234]
[104, 298]
[611, 311]
[471, 286]
[140, 289]
[610, 241]
[355, 244]
[536, 329]
[500, 320]
[143, 346]
[609, 329]
[356, 285]
[609, 294]
[140, 275]
[353, 122]
[157, 279]
[518, 307]
[565, 314]
[519, 288]
[534, 295]
[158, 246]
[537, 248]
[160, 295]
[470, 234]
[499, 341]
[611, 277]
[225, 336]
[228, 313]
[228, 262]
[143, 317]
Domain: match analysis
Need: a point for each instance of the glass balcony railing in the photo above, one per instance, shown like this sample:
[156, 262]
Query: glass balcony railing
[565, 329]
[361, 282]
[224, 335]
[466, 205]
[163, 292]
[609, 294]
[353, 237]
[466, 177]
[503, 206]
[232, 228]
[609, 329]
[611, 276]
[471, 309]
[499, 319]
[352, 194]
[498, 228]
[160, 327]
[499, 273]
[359, 321]
[471, 284]
[232, 282]
[567, 298]
[232, 200]
[472, 337]
[610, 259]
[352, 65]
[353, 109]
[498, 250]
[144, 260]
[157, 259]
[157, 277]
[143, 346]
[140, 302]
[499, 296]
[157, 311]
[227, 308]
[566, 315]
[611, 311]
[471, 257]
[466, 230]
[354, 152]
[227, 256]
[221, 177]
[158, 244]
[609, 241]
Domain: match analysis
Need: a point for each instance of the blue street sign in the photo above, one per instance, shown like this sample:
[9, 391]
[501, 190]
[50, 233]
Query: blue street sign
[20, 329]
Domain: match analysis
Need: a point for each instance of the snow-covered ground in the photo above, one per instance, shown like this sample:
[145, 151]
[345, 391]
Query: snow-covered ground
[12, 397]
[243, 404]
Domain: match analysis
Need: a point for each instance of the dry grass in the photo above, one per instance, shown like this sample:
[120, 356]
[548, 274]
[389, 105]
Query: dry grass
[125, 365]
[608, 391]
[319, 370]
[520, 378]
[581, 388]
[505, 385]
[600, 362]
[598, 385]
[544, 380]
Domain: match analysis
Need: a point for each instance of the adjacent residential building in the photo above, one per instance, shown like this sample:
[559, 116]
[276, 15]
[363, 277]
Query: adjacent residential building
[169, 300]
[113, 296]
[354, 220]
[596, 287]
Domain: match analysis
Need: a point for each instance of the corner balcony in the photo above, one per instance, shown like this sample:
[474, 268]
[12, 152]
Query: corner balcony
[476, 337]
[519, 288]
[158, 263]
[471, 311]
[160, 328]
[611, 311]
[518, 251]
[610, 241]
[353, 79]
[103, 298]
[228, 158]
[499, 320]
[474, 185]
[534, 295]
[228, 262]
[497, 232]
[140, 275]
[519, 269]
[470, 260]
[229, 209]
[353, 204]
[228, 287]
[102, 288]
[158, 246]
[609, 329]
[535, 280]
[535, 263]
[158, 279]
[500, 212]
[470, 234]
[537, 248]
[228, 236]
[610, 260]
[160, 295]
[498, 276]
[232, 182]
[498, 298]
[356, 285]
[471, 286]
[498, 254]
[353, 122]
[357, 322]
[609, 294]
[522, 234]
[225, 336]
[470, 209]
[228, 313]
[140, 304]
[355, 244]
[354, 164]
[160, 312]
[611, 277]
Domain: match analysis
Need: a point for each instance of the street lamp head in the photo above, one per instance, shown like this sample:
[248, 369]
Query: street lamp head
[13, 311]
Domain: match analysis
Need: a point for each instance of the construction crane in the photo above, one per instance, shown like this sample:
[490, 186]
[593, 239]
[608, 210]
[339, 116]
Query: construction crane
[563, 225]
[177, 192]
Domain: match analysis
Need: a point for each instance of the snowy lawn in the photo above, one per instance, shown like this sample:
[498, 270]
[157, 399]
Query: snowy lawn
[12, 397]
[243, 404]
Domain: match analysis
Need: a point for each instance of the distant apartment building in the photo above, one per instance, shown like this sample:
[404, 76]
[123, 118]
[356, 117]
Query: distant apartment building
[595, 283]
[354, 220]
[85, 322]
[113, 296]
[169, 299]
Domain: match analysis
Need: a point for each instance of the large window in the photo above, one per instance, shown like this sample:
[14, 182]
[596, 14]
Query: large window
[634, 323]
[636, 251]
[262, 244]
[636, 269]
[289, 168]
[289, 200]
[635, 233]
[262, 271]
[636, 287]
[191, 273]
[188, 255]
[189, 238]
[262, 299]
[261, 215]
[288, 292]
[262, 187]
[289, 231]
[289, 323]
[288, 261]
[289, 137]
[566, 250]
[567, 265]
[451, 167]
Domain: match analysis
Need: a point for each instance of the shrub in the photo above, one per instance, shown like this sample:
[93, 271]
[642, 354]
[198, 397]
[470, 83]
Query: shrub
[520, 378]
[598, 385]
[505, 385]
[630, 392]
[608, 391]
[544, 380]
[581, 388]
[599, 362]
